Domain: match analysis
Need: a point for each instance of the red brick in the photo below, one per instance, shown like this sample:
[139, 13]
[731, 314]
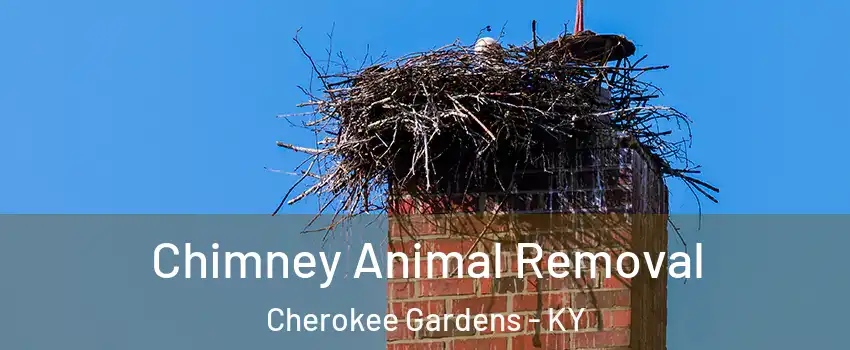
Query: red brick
[407, 247]
[452, 331]
[480, 305]
[528, 302]
[414, 208]
[398, 269]
[559, 341]
[601, 339]
[500, 343]
[444, 287]
[600, 299]
[417, 346]
[506, 263]
[533, 284]
[413, 226]
[572, 283]
[428, 226]
[616, 282]
[400, 309]
[401, 290]
[548, 283]
[523, 342]
[616, 318]
[443, 245]
[606, 324]
[401, 207]
[485, 285]
[621, 238]
[401, 332]
[502, 285]
[437, 268]
[447, 245]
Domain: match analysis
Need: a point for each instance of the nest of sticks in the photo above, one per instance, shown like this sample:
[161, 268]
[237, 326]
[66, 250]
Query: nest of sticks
[452, 120]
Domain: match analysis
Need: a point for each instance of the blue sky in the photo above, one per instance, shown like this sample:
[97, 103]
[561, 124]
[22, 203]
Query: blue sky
[169, 106]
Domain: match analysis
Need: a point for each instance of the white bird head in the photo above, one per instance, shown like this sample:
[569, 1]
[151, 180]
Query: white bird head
[485, 44]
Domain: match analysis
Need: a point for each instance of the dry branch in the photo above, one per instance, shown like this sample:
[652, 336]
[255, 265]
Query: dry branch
[426, 122]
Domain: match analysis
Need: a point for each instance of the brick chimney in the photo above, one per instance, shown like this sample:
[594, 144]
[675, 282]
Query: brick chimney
[613, 180]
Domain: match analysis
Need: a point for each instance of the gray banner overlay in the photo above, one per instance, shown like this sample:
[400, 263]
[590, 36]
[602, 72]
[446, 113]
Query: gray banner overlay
[87, 282]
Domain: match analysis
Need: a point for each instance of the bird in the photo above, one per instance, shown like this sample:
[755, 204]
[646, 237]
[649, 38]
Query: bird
[489, 53]
[485, 44]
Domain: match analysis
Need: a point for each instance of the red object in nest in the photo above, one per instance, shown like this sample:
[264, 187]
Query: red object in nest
[585, 45]
[579, 17]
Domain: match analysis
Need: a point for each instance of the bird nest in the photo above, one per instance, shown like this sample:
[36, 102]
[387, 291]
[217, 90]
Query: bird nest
[455, 120]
